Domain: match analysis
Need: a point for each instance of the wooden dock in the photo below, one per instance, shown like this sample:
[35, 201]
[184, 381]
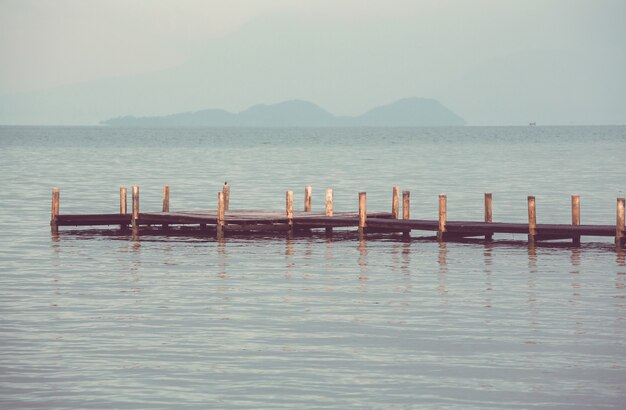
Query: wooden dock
[223, 221]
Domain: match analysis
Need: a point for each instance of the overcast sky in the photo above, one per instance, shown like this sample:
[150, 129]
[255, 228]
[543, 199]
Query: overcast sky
[492, 62]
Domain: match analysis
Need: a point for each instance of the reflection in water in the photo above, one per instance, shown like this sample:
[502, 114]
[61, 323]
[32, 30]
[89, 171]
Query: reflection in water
[442, 258]
[620, 297]
[289, 252]
[222, 257]
[620, 256]
[532, 283]
[406, 258]
[135, 258]
[620, 305]
[576, 286]
[56, 246]
[532, 257]
[328, 253]
[401, 261]
[488, 262]
[308, 249]
[401, 256]
[362, 261]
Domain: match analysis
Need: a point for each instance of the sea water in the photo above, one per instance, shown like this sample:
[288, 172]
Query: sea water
[92, 320]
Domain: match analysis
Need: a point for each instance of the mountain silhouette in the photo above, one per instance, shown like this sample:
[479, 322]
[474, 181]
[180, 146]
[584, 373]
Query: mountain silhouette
[408, 112]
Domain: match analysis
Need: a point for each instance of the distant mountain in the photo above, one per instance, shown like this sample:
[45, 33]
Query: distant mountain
[408, 112]
[293, 113]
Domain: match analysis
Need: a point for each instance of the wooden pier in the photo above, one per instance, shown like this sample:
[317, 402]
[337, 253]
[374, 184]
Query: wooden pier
[223, 221]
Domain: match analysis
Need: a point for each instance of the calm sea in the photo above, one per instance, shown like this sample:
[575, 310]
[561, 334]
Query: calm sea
[105, 321]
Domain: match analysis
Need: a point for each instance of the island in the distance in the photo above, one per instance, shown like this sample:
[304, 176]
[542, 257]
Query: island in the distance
[407, 112]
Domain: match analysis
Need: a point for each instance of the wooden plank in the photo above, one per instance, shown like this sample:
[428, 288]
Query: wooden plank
[93, 219]
[257, 228]
[176, 218]
[587, 230]
[403, 224]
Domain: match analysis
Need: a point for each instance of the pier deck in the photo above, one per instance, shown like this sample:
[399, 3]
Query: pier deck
[222, 220]
[375, 221]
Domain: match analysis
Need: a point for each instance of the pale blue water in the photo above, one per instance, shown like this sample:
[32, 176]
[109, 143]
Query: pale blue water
[93, 321]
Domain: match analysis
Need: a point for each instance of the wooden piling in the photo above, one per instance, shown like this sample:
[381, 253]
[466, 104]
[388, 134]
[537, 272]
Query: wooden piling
[395, 202]
[329, 207]
[135, 209]
[619, 222]
[166, 202]
[123, 205]
[362, 212]
[532, 219]
[307, 198]
[289, 207]
[406, 210]
[443, 205]
[488, 212]
[406, 205]
[221, 213]
[54, 215]
[226, 192]
[166, 198]
[576, 216]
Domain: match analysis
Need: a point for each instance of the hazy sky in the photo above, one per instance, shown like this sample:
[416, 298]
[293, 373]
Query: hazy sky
[492, 62]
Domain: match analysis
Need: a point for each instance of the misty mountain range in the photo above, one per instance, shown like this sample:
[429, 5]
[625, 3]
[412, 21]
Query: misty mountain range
[408, 112]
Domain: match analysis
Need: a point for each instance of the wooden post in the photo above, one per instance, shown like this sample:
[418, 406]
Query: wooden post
[395, 202]
[406, 209]
[307, 198]
[443, 205]
[406, 205]
[54, 217]
[532, 220]
[329, 208]
[135, 209]
[123, 206]
[289, 207]
[576, 217]
[166, 198]
[488, 212]
[166, 201]
[221, 212]
[226, 192]
[362, 212]
[619, 222]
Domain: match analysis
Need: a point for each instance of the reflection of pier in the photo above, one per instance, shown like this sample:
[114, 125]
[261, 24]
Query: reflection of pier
[225, 221]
